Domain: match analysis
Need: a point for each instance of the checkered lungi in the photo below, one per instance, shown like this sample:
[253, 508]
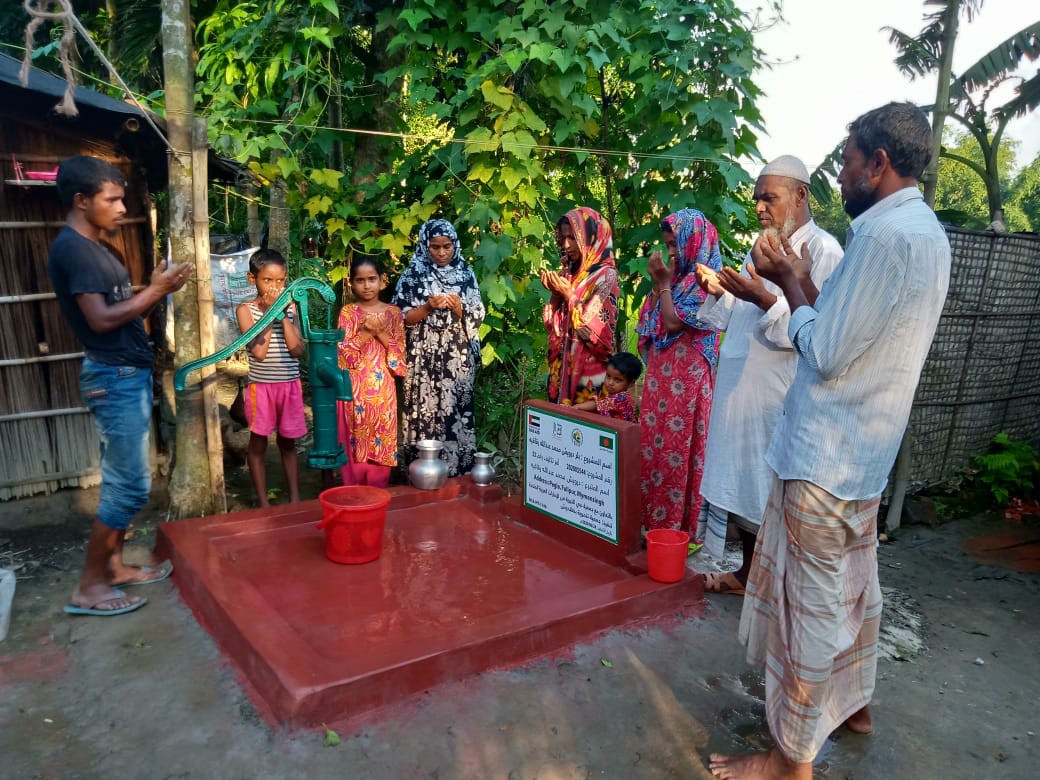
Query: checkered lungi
[812, 611]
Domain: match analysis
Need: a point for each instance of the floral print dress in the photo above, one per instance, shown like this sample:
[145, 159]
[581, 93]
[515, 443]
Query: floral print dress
[677, 391]
[443, 352]
[368, 423]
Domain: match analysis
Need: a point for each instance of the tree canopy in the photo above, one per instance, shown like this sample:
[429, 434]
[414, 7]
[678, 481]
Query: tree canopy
[497, 116]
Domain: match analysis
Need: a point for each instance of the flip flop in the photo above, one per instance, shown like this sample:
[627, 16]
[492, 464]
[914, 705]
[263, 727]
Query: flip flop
[159, 573]
[716, 583]
[75, 609]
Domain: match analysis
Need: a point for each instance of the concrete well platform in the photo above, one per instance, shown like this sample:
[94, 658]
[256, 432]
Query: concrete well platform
[460, 587]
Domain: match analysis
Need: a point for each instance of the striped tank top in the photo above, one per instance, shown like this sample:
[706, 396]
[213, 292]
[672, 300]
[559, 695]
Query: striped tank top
[279, 366]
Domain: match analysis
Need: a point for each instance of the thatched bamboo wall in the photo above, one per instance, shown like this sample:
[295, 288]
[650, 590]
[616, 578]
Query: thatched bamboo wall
[52, 442]
[982, 376]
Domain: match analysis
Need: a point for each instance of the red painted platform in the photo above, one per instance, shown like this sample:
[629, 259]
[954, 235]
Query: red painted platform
[459, 588]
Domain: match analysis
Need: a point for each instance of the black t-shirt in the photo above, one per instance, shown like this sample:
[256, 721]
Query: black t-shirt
[77, 265]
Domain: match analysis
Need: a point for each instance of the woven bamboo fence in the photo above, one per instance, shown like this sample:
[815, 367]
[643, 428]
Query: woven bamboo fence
[982, 376]
[46, 434]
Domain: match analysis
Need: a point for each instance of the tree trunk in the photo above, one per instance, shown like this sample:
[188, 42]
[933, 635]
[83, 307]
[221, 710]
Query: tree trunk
[190, 495]
[370, 156]
[942, 98]
[278, 216]
[253, 215]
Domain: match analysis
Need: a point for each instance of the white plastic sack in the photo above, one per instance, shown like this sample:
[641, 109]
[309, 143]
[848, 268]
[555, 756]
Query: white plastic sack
[230, 287]
[230, 275]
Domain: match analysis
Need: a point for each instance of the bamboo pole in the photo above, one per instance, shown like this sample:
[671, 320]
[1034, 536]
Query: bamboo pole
[42, 359]
[59, 224]
[43, 413]
[207, 340]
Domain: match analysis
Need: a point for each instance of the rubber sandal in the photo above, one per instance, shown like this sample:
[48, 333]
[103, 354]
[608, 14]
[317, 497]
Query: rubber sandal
[75, 609]
[160, 573]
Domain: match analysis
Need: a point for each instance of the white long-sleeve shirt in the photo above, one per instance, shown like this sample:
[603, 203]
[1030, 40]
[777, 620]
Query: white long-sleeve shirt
[861, 350]
[757, 364]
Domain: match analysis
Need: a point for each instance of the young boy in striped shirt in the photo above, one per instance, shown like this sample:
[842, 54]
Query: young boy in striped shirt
[274, 396]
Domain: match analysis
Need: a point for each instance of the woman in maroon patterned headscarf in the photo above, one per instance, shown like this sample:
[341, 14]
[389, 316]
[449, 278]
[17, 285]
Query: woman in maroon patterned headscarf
[581, 314]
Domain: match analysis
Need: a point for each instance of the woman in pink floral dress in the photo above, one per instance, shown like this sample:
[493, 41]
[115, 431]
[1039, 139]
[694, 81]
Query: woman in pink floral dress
[680, 354]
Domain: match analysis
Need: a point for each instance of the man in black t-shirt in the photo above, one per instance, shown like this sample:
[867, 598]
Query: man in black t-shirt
[94, 293]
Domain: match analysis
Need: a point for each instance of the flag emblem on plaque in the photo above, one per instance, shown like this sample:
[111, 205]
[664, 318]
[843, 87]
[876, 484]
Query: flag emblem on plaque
[534, 421]
[606, 442]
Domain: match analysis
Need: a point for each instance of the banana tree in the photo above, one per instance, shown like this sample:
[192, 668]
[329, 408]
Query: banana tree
[970, 96]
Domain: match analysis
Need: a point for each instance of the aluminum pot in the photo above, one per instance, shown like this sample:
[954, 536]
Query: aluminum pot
[483, 472]
[428, 471]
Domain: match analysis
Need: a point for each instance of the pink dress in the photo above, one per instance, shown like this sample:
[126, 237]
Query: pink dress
[680, 376]
[368, 424]
[674, 420]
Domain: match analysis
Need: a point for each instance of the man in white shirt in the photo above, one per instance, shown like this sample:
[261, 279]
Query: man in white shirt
[813, 603]
[756, 367]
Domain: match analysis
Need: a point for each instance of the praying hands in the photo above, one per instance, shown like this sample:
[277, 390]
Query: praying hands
[780, 264]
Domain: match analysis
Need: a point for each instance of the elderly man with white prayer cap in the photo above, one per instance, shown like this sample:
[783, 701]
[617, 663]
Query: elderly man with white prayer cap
[756, 367]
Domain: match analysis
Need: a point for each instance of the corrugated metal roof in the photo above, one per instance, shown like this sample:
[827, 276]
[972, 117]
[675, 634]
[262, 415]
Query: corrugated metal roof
[101, 117]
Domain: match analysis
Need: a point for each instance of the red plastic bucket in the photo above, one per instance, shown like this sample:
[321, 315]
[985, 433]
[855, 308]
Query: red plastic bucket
[353, 517]
[666, 554]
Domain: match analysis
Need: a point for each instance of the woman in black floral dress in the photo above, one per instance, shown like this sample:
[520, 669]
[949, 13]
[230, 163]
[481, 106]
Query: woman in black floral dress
[439, 297]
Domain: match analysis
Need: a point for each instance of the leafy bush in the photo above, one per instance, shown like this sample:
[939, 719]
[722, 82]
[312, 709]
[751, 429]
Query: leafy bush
[1011, 468]
[501, 390]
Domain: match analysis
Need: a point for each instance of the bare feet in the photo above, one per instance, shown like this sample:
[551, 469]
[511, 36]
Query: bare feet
[860, 722]
[726, 582]
[773, 765]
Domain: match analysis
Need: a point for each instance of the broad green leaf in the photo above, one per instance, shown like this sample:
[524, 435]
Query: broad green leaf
[520, 143]
[497, 96]
[597, 57]
[287, 165]
[514, 58]
[328, 5]
[318, 205]
[480, 171]
[326, 177]
[488, 355]
[413, 17]
[394, 243]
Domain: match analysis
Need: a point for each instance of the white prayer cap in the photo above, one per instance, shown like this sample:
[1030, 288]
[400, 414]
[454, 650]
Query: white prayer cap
[789, 166]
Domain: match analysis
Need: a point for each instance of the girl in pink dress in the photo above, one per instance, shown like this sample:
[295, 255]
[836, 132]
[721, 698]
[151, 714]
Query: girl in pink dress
[373, 351]
[680, 354]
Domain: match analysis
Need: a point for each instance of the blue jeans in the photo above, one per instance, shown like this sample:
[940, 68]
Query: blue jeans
[120, 401]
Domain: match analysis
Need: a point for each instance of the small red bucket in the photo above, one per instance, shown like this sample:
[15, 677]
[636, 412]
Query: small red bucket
[666, 552]
[353, 517]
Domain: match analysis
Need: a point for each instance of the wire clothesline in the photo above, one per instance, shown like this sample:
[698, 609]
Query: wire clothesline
[495, 143]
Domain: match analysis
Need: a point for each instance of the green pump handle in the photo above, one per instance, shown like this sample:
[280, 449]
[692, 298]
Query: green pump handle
[296, 291]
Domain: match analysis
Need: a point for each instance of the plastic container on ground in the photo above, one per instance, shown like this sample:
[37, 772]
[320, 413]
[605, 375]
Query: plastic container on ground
[353, 518]
[666, 552]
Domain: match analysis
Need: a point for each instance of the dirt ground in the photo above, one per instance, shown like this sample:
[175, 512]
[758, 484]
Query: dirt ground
[150, 695]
